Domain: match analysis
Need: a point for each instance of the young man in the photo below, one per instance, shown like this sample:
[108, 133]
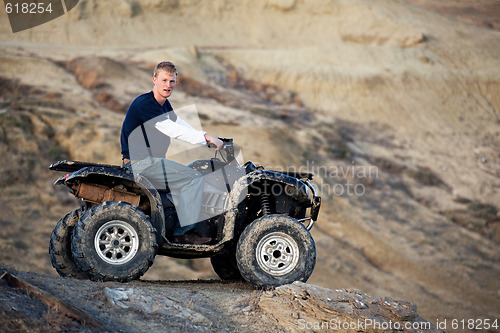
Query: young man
[149, 125]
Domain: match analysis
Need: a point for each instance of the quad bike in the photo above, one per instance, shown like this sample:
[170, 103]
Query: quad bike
[258, 222]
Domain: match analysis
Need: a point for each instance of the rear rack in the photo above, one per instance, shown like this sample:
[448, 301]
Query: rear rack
[71, 166]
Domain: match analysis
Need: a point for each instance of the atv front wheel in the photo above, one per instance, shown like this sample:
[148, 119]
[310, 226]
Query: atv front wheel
[114, 241]
[60, 246]
[275, 250]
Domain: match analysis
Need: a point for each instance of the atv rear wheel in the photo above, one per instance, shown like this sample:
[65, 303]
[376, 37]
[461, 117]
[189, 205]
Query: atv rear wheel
[226, 267]
[275, 250]
[114, 241]
[60, 246]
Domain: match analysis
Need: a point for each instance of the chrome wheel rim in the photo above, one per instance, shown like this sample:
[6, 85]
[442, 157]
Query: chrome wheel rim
[277, 254]
[116, 242]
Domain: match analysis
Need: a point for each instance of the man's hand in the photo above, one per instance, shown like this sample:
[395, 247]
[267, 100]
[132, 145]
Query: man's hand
[213, 140]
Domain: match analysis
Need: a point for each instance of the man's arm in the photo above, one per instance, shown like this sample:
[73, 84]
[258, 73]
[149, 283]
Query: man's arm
[181, 130]
[178, 130]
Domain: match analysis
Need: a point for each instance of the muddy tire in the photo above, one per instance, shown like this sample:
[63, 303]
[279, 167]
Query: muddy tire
[226, 267]
[60, 246]
[275, 250]
[114, 241]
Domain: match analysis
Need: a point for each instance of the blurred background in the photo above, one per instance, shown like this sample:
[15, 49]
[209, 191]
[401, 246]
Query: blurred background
[395, 105]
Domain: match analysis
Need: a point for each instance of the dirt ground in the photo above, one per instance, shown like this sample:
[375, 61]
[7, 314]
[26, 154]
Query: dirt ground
[201, 305]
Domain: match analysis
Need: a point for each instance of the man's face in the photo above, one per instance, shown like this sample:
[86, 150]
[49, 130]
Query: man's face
[165, 83]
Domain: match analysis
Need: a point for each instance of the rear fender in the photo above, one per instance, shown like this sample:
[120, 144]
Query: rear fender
[109, 177]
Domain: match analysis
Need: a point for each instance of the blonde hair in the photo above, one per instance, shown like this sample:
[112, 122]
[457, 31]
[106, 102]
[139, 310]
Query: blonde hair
[165, 66]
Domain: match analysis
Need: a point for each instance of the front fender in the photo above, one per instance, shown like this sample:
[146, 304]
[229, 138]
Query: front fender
[240, 188]
[240, 191]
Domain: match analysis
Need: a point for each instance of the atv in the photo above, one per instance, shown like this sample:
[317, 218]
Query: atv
[258, 221]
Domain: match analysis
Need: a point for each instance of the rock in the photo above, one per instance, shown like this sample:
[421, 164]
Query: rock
[118, 296]
[132, 299]
[300, 306]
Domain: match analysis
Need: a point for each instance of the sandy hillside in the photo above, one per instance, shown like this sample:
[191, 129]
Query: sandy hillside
[398, 100]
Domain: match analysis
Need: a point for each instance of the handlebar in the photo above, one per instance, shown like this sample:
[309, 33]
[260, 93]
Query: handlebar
[227, 147]
[225, 141]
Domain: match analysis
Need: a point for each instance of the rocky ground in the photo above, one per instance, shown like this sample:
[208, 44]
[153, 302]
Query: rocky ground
[201, 305]
[397, 100]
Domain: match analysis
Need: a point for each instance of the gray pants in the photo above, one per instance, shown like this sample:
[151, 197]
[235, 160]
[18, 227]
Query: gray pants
[187, 182]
